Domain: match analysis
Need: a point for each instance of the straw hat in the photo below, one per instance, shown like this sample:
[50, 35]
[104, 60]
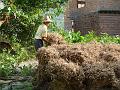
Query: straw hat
[47, 19]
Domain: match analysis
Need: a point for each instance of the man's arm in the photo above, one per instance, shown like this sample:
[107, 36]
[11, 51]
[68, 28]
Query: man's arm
[44, 35]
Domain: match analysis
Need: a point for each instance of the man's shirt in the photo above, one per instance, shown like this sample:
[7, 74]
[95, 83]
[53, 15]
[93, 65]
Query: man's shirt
[42, 29]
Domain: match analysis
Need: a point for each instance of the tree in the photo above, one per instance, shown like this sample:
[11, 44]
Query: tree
[22, 17]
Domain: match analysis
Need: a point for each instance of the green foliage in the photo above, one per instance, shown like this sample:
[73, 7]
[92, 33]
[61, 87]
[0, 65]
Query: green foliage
[8, 62]
[26, 70]
[90, 37]
[71, 37]
[24, 16]
[28, 5]
[105, 38]
[76, 37]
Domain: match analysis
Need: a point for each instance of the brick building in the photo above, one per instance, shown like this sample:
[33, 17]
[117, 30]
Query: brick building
[101, 16]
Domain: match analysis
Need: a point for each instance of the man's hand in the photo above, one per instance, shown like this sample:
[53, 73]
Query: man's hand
[44, 38]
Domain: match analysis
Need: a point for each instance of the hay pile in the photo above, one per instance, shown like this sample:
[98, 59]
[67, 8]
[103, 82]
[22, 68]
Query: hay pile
[91, 66]
[54, 38]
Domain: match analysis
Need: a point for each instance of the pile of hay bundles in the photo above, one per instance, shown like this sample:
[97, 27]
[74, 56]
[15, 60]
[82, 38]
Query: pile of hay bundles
[91, 66]
[54, 38]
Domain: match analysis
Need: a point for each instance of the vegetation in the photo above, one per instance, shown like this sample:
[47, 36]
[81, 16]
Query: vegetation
[8, 62]
[76, 37]
[21, 19]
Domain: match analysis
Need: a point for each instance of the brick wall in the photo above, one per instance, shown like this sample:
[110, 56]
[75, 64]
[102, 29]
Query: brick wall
[109, 23]
[69, 13]
[90, 6]
[99, 23]
[86, 23]
[67, 21]
[96, 5]
[87, 18]
[109, 4]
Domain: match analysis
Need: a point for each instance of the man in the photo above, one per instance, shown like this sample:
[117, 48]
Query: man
[41, 35]
[42, 32]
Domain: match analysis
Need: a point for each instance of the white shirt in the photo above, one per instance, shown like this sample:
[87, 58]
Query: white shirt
[42, 29]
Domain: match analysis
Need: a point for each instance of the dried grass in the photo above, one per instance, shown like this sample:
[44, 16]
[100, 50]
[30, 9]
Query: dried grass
[54, 38]
[90, 66]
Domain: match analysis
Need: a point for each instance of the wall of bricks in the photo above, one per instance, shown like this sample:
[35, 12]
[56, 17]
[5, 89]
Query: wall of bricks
[109, 4]
[67, 21]
[109, 23]
[99, 23]
[87, 23]
[69, 13]
[96, 5]
[90, 6]
[87, 18]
